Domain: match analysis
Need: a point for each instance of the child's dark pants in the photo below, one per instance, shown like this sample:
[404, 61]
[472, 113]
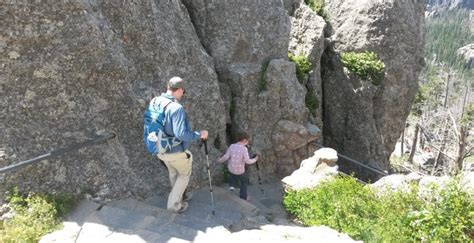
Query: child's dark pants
[244, 181]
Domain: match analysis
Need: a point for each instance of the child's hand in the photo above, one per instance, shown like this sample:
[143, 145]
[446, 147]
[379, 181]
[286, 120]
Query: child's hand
[256, 157]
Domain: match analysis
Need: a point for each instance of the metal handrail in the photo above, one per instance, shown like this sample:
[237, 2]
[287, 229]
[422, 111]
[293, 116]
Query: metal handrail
[102, 138]
[56, 152]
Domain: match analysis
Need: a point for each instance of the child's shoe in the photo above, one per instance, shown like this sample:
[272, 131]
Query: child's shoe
[232, 188]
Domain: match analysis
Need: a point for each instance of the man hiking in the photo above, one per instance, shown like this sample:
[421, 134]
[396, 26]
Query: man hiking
[178, 159]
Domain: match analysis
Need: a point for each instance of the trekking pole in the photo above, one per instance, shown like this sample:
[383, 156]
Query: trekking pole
[258, 169]
[209, 176]
[259, 179]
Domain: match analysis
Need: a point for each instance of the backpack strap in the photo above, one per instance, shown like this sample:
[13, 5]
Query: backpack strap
[164, 111]
[169, 102]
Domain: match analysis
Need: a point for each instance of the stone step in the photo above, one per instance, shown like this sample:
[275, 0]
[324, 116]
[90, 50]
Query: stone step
[221, 216]
[270, 202]
[225, 201]
[273, 193]
[185, 219]
[116, 218]
[255, 201]
[199, 210]
[72, 225]
[228, 208]
[82, 210]
[93, 232]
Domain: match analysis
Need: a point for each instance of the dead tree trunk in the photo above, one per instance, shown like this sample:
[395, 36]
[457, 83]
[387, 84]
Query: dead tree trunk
[446, 93]
[413, 146]
[403, 141]
[442, 147]
[463, 133]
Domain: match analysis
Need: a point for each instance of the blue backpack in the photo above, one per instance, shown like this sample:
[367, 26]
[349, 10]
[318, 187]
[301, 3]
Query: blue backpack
[154, 136]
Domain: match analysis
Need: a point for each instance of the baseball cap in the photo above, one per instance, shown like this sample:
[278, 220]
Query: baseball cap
[176, 83]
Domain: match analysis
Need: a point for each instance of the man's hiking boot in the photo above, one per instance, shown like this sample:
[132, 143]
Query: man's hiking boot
[183, 208]
[187, 196]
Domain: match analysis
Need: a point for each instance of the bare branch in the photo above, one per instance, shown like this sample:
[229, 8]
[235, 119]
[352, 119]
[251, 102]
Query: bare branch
[469, 153]
[454, 124]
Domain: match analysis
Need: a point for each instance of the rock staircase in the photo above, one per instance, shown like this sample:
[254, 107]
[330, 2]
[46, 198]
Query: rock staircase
[262, 217]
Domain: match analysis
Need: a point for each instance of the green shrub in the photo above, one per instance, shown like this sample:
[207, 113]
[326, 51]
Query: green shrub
[450, 217]
[303, 66]
[318, 7]
[366, 65]
[311, 101]
[347, 206]
[342, 204]
[35, 216]
[393, 210]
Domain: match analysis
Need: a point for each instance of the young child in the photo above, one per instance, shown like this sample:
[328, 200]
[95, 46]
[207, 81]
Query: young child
[238, 157]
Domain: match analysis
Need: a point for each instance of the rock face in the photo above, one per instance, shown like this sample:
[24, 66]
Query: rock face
[307, 38]
[77, 68]
[259, 85]
[72, 69]
[313, 170]
[362, 120]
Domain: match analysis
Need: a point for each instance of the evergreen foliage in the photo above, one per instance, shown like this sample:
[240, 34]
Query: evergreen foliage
[366, 65]
[318, 7]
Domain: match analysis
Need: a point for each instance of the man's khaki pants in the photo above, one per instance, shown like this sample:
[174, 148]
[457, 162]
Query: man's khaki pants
[179, 168]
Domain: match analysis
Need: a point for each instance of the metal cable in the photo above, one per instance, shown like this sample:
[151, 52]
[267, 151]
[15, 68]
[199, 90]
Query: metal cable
[56, 152]
[378, 171]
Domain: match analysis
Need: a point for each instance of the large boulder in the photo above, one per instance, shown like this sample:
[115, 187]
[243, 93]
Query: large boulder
[283, 233]
[249, 43]
[321, 166]
[396, 182]
[362, 120]
[307, 39]
[428, 187]
[71, 69]
[241, 31]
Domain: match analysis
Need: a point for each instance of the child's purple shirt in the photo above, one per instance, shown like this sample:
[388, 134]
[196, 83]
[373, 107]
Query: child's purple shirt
[238, 156]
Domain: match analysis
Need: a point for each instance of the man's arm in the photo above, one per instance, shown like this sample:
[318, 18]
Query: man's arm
[180, 129]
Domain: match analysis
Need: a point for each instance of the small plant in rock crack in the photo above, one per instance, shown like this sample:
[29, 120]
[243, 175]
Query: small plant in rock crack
[366, 65]
[303, 66]
[318, 7]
